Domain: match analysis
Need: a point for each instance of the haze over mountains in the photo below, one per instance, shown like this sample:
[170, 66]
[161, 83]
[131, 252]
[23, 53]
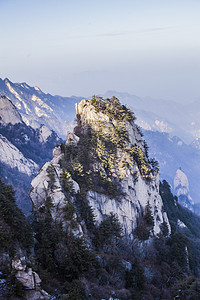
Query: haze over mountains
[38, 108]
[161, 115]
[160, 121]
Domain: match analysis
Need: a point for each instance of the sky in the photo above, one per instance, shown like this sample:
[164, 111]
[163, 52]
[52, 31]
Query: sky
[82, 48]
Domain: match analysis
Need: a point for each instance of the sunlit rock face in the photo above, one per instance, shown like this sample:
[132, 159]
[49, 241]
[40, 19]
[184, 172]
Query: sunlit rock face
[106, 160]
[38, 108]
[8, 112]
[138, 190]
[23, 150]
[181, 187]
[11, 156]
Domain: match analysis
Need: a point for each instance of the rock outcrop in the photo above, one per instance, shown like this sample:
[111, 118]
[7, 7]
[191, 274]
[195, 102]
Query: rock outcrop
[29, 279]
[43, 187]
[11, 156]
[115, 175]
[181, 188]
[23, 150]
[8, 112]
[44, 133]
[38, 108]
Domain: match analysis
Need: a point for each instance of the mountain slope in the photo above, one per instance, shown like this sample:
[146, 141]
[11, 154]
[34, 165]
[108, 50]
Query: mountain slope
[172, 154]
[11, 156]
[8, 112]
[18, 280]
[23, 150]
[164, 116]
[120, 178]
[38, 108]
[101, 226]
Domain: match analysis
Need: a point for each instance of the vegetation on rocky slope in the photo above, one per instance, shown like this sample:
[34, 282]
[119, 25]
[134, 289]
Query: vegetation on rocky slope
[103, 152]
[13, 225]
[101, 262]
[27, 140]
[15, 235]
[105, 263]
[113, 265]
[162, 268]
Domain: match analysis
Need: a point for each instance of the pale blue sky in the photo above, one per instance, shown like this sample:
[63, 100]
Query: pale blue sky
[144, 47]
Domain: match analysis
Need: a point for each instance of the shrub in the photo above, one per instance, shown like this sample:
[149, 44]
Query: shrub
[138, 156]
[13, 222]
[109, 231]
[145, 224]
[113, 109]
[51, 175]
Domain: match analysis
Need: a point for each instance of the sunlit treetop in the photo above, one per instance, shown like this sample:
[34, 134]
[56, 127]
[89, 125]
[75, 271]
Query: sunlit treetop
[113, 109]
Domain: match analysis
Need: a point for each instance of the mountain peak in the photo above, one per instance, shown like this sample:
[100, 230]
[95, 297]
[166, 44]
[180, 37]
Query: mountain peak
[181, 187]
[8, 112]
[108, 165]
[44, 133]
[6, 80]
[181, 180]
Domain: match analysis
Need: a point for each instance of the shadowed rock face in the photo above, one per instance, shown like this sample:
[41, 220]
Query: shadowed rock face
[123, 164]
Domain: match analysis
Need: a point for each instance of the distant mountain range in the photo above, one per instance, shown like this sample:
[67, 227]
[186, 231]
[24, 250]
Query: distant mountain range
[182, 120]
[58, 112]
[38, 108]
[173, 154]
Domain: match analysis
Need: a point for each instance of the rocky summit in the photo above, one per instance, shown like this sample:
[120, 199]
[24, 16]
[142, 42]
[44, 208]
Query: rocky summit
[105, 159]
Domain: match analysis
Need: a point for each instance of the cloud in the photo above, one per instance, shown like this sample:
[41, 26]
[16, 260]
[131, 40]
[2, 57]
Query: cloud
[124, 33]
[129, 32]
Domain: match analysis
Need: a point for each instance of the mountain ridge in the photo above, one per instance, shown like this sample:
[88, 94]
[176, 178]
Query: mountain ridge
[23, 150]
[38, 108]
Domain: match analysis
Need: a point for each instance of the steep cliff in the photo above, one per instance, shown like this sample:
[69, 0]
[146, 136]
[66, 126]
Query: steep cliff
[23, 150]
[10, 155]
[181, 188]
[38, 108]
[106, 162]
[101, 227]
[8, 112]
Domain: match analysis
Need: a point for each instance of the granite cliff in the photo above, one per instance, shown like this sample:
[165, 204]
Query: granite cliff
[23, 150]
[105, 161]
